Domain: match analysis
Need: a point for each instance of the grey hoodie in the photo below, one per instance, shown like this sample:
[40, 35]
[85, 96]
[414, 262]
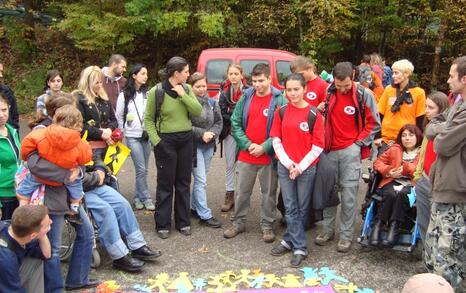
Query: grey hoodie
[448, 173]
[209, 120]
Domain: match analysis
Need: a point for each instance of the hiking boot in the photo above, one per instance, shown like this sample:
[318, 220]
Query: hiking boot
[149, 205]
[343, 245]
[233, 231]
[280, 249]
[268, 236]
[323, 238]
[229, 202]
[138, 205]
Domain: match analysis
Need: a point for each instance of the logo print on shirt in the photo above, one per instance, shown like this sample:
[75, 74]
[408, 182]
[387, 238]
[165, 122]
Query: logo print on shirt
[266, 112]
[311, 96]
[350, 110]
[304, 126]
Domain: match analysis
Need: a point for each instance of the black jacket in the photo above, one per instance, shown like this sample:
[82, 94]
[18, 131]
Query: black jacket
[96, 116]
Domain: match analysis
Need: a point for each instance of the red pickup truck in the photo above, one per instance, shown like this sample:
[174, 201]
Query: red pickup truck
[214, 62]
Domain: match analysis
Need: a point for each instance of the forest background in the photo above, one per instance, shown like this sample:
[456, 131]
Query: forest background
[36, 36]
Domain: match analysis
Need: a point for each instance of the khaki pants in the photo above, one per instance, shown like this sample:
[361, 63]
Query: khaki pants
[31, 274]
[246, 177]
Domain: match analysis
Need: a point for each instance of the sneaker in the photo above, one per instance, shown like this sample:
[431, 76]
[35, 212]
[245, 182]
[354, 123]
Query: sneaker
[296, 260]
[149, 205]
[212, 223]
[268, 236]
[323, 238]
[343, 245]
[233, 231]
[138, 205]
[280, 249]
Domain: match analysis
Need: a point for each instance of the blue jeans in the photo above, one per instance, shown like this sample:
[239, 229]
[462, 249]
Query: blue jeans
[423, 205]
[199, 194]
[297, 198]
[140, 152]
[30, 184]
[114, 218]
[81, 257]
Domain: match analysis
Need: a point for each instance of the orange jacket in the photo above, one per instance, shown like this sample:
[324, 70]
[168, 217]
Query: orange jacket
[393, 158]
[58, 145]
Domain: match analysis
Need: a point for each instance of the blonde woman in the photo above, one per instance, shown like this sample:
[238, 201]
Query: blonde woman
[401, 103]
[98, 117]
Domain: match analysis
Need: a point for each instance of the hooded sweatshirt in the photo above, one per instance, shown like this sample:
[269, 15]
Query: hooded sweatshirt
[58, 145]
[113, 86]
[447, 174]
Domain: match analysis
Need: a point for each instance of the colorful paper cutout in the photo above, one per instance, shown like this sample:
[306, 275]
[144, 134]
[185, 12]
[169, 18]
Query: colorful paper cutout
[329, 275]
[350, 288]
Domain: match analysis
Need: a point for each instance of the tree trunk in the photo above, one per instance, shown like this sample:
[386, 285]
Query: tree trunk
[437, 53]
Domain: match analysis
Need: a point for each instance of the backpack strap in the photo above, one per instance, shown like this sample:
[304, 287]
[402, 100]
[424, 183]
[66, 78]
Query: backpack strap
[311, 116]
[361, 105]
[281, 111]
[159, 96]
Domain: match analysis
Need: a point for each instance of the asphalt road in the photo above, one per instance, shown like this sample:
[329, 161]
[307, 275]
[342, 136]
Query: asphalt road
[206, 252]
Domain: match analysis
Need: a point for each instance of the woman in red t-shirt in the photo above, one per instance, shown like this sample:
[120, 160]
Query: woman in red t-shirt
[436, 103]
[396, 165]
[297, 150]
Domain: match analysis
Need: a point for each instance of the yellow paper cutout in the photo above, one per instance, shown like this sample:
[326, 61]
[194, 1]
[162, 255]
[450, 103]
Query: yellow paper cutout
[243, 278]
[350, 288]
[312, 282]
[271, 280]
[115, 156]
[160, 281]
[291, 281]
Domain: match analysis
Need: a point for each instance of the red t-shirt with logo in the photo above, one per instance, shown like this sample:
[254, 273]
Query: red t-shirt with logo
[316, 91]
[345, 130]
[256, 130]
[293, 131]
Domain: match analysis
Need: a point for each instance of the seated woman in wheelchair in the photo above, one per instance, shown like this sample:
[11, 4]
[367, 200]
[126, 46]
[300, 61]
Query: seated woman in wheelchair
[396, 165]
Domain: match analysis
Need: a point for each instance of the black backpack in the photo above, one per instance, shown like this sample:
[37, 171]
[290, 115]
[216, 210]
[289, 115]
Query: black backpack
[311, 116]
[159, 97]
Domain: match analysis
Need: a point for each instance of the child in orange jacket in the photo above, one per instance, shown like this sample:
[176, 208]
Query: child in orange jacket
[60, 144]
[396, 165]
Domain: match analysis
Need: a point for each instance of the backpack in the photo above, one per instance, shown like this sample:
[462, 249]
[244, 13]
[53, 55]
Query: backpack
[365, 77]
[159, 97]
[311, 116]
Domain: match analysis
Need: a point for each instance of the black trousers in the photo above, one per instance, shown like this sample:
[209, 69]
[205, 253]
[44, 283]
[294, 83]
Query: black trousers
[394, 205]
[8, 207]
[173, 158]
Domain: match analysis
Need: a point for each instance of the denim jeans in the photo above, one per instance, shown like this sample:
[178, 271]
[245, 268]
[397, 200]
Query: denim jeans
[140, 152]
[199, 194]
[115, 219]
[297, 198]
[423, 205]
[81, 257]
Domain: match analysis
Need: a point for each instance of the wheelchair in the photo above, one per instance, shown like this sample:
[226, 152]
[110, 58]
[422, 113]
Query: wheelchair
[409, 230]
[68, 236]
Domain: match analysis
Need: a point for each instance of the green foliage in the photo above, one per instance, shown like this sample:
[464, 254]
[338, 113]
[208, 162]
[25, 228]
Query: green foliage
[19, 37]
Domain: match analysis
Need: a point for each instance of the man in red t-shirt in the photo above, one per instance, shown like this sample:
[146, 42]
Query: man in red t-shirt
[316, 88]
[250, 126]
[350, 126]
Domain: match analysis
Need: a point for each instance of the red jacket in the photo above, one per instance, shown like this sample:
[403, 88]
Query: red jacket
[367, 127]
[393, 158]
[58, 145]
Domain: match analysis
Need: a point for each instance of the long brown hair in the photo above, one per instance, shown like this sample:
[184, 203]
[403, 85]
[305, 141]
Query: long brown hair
[413, 129]
[441, 100]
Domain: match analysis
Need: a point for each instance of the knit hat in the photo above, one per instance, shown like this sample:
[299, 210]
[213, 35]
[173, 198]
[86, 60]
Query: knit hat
[427, 283]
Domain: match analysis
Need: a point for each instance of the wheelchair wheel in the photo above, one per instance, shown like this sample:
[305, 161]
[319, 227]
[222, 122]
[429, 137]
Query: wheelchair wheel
[95, 258]
[66, 247]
